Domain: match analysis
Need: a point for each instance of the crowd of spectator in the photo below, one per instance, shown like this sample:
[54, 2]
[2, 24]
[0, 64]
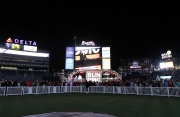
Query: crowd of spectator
[131, 83]
[12, 83]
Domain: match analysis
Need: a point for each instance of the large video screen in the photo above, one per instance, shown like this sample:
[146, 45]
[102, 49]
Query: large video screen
[88, 58]
[166, 65]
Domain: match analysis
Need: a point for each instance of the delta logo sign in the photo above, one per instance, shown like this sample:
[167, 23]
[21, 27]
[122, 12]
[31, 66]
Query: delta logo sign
[22, 42]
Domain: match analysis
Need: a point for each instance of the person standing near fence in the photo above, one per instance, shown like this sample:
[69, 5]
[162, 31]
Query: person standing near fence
[87, 86]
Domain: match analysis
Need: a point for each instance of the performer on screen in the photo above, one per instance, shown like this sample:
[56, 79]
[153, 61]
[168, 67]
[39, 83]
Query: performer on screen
[83, 58]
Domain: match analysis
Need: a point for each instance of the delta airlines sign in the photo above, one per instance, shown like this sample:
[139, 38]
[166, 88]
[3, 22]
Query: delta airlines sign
[25, 42]
[22, 42]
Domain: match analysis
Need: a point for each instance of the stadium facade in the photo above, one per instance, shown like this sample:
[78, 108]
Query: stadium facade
[146, 68]
[20, 60]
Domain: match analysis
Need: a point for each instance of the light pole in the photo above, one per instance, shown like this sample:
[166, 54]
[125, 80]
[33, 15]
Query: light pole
[75, 40]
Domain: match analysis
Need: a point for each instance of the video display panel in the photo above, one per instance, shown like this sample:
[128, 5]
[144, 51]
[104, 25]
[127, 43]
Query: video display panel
[88, 57]
[106, 52]
[106, 63]
[69, 63]
[70, 52]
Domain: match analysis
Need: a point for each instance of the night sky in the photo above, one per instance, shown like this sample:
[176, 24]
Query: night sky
[134, 29]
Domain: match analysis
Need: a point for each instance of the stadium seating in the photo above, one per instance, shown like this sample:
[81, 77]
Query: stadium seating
[16, 78]
[5, 72]
[25, 75]
[8, 74]
[20, 74]
[39, 74]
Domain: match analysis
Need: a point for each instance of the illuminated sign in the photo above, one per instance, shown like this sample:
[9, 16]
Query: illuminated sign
[87, 50]
[166, 65]
[24, 53]
[69, 63]
[106, 52]
[12, 46]
[106, 64]
[15, 46]
[166, 55]
[94, 56]
[93, 75]
[89, 67]
[165, 77]
[30, 48]
[25, 42]
[8, 45]
[70, 52]
[135, 65]
[9, 40]
[88, 43]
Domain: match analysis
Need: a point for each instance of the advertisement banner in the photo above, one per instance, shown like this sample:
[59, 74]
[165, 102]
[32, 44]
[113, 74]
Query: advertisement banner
[166, 65]
[89, 67]
[8, 45]
[15, 46]
[106, 64]
[106, 52]
[30, 48]
[87, 57]
[70, 52]
[69, 63]
[94, 75]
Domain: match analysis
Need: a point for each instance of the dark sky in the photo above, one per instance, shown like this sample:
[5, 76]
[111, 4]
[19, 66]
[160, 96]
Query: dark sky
[134, 29]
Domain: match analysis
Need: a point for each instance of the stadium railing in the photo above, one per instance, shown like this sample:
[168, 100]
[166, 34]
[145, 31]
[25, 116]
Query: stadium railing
[151, 91]
[2, 91]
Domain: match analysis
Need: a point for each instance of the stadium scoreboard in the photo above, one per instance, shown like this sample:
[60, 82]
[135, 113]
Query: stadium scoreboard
[87, 57]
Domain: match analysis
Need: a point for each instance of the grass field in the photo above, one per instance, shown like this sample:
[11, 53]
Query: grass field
[113, 104]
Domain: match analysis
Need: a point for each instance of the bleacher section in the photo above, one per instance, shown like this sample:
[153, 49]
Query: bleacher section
[0, 76]
[24, 75]
[39, 74]
[9, 74]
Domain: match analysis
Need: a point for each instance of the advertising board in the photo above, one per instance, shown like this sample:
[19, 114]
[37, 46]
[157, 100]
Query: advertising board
[106, 52]
[69, 63]
[69, 52]
[106, 63]
[94, 75]
[30, 48]
[166, 65]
